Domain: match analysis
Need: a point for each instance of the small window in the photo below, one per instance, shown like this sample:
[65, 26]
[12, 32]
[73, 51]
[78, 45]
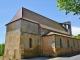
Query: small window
[61, 43]
[30, 43]
[68, 43]
[73, 43]
[78, 43]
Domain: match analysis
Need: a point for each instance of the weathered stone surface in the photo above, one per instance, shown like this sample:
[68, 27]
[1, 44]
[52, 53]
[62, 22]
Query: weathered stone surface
[65, 49]
[29, 27]
[12, 43]
[48, 45]
[29, 31]
[35, 50]
[44, 31]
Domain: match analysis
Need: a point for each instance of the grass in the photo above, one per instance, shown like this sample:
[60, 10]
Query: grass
[0, 56]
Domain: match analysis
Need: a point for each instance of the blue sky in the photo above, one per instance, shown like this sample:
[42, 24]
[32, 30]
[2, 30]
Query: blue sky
[48, 8]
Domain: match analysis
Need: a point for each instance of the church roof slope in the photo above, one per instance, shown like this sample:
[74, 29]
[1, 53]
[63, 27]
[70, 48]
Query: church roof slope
[27, 14]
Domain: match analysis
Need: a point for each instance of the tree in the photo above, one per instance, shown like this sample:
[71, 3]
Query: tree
[77, 36]
[69, 6]
[1, 49]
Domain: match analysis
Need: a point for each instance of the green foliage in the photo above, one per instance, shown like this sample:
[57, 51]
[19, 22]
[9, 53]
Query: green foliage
[77, 36]
[1, 49]
[69, 6]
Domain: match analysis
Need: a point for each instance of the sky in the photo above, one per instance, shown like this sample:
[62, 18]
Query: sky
[47, 8]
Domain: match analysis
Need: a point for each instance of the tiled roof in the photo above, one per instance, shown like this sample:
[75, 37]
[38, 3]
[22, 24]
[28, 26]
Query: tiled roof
[43, 21]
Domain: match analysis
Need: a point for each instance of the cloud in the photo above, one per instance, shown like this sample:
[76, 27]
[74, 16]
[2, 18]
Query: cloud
[75, 30]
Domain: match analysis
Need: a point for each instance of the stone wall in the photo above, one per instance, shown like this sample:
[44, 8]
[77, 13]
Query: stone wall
[27, 51]
[48, 46]
[13, 26]
[44, 31]
[29, 27]
[12, 42]
[29, 31]
[73, 46]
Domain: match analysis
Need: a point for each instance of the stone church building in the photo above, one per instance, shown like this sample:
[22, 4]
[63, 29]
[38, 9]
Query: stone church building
[29, 34]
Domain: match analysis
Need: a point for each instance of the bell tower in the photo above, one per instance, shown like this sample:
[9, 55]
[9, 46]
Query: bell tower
[67, 26]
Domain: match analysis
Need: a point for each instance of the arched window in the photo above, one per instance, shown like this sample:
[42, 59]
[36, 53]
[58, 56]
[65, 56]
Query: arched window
[68, 43]
[30, 43]
[73, 43]
[61, 43]
[78, 43]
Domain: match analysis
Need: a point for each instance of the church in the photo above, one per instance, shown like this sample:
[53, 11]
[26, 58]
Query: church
[30, 34]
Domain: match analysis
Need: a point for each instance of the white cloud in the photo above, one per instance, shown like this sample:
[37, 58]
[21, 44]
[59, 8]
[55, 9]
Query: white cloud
[75, 30]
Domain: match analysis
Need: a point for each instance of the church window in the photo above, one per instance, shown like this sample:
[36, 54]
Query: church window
[61, 43]
[68, 43]
[73, 43]
[30, 43]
